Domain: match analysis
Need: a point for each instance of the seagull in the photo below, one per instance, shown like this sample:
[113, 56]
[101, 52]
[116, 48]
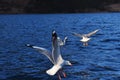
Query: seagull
[62, 42]
[85, 37]
[55, 56]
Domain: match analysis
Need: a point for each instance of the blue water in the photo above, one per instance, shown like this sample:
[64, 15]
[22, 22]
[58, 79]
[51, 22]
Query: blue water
[100, 60]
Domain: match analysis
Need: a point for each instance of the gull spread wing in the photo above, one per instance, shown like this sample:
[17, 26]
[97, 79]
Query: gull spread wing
[43, 51]
[76, 34]
[56, 49]
[65, 39]
[91, 33]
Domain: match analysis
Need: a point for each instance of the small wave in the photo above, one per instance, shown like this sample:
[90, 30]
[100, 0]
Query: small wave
[12, 51]
[82, 73]
[116, 33]
[110, 40]
[25, 77]
[99, 34]
[105, 48]
[101, 68]
[118, 48]
[73, 28]
[74, 62]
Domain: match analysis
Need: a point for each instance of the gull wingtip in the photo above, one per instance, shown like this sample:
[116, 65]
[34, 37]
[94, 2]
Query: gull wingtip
[28, 45]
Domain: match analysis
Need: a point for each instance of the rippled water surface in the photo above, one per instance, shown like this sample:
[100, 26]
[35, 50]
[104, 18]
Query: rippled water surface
[100, 60]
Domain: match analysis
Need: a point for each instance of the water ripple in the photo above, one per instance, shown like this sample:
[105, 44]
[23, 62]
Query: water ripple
[97, 61]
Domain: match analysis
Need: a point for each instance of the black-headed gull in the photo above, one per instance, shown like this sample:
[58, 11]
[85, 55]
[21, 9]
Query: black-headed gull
[62, 42]
[55, 57]
[85, 37]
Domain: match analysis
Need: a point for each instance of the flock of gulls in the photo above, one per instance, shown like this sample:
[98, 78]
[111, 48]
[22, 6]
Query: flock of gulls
[55, 55]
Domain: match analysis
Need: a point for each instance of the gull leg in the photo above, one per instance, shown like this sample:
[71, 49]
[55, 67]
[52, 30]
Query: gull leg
[84, 44]
[64, 74]
[59, 77]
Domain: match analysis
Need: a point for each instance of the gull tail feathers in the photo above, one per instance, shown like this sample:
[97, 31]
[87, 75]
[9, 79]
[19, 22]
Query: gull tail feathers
[53, 70]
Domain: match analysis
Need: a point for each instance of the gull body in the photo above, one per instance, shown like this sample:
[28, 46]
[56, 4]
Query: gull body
[85, 39]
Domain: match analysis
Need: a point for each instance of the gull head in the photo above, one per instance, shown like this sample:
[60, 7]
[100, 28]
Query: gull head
[54, 34]
[68, 63]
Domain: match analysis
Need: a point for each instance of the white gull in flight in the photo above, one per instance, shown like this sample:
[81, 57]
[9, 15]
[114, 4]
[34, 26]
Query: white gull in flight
[55, 57]
[85, 37]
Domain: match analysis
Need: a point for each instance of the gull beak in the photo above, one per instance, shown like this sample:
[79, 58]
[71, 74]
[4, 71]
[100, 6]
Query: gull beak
[70, 64]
